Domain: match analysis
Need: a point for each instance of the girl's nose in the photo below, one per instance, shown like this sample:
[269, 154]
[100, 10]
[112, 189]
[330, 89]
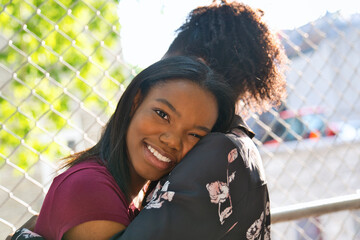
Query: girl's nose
[172, 140]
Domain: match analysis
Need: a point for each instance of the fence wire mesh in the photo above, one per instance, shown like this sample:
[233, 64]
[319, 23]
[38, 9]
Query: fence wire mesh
[62, 73]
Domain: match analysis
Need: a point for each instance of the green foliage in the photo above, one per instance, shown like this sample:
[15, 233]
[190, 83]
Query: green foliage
[58, 54]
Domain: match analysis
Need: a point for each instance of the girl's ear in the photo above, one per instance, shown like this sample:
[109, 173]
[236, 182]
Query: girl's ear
[136, 103]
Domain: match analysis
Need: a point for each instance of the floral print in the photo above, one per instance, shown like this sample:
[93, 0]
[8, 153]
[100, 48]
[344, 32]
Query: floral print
[250, 154]
[225, 214]
[159, 195]
[254, 231]
[233, 154]
[219, 192]
[268, 226]
[24, 233]
[231, 177]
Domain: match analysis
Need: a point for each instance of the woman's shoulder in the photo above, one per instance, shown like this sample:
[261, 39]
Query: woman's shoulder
[238, 139]
[85, 176]
[92, 164]
[91, 167]
[215, 139]
[211, 151]
[219, 151]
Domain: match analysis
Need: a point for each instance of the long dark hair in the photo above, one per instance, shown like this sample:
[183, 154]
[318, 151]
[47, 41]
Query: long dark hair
[234, 41]
[111, 149]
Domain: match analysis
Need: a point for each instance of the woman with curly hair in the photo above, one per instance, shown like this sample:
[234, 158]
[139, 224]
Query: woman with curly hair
[219, 190]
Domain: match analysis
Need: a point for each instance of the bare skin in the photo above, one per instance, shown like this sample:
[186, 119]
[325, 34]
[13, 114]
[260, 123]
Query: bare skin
[94, 230]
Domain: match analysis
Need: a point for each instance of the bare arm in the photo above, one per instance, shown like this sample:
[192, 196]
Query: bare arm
[98, 230]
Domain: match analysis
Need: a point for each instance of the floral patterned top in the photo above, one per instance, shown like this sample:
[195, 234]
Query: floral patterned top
[218, 191]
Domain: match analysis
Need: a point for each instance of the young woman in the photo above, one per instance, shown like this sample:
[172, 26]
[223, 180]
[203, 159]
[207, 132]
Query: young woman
[219, 189]
[163, 113]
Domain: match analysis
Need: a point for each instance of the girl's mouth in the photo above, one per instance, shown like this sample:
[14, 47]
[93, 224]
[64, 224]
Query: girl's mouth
[158, 155]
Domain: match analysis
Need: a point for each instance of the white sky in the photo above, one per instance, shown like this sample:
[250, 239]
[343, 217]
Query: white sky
[148, 26]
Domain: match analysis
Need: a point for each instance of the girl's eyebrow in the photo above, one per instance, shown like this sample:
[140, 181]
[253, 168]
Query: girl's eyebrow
[167, 103]
[205, 129]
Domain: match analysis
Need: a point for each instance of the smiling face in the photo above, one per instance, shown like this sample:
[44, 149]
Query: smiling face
[168, 123]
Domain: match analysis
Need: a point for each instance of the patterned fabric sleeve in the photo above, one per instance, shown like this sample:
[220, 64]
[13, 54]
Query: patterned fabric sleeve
[24, 233]
[216, 192]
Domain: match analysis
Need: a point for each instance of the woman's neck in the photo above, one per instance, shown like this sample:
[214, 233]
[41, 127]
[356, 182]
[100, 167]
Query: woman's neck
[136, 186]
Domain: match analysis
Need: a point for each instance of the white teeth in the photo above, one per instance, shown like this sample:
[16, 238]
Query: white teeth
[158, 155]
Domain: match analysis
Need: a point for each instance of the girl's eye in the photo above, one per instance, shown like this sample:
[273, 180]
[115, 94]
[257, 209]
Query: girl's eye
[196, 135]
[162, 114]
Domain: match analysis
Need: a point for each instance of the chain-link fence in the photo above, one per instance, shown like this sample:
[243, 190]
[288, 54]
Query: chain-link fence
[62, 72]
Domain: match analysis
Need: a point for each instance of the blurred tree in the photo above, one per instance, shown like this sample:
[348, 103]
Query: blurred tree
[60, 56]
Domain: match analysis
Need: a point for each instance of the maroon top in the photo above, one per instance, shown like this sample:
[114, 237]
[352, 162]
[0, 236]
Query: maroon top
[73, 195]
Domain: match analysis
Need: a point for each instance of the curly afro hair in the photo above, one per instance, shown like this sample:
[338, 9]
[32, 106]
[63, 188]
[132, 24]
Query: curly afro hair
[233, 40]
